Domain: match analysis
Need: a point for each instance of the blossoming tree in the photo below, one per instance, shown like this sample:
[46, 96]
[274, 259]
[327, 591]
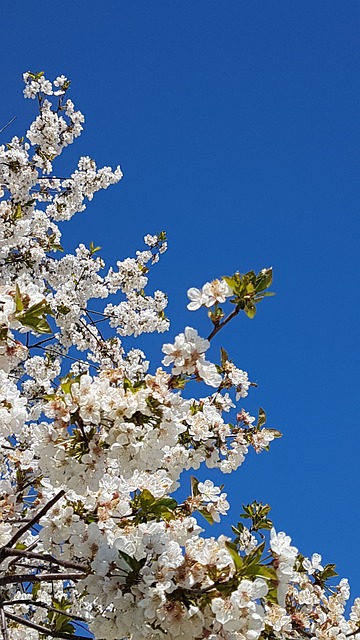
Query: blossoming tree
[93, 442]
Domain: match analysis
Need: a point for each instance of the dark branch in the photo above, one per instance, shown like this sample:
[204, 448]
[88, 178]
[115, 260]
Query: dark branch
[45, 630]
[45, 557]
[40, 577]
[4, 629]
[31, 522]
[222, 324]
[42, 605]
[30, 548]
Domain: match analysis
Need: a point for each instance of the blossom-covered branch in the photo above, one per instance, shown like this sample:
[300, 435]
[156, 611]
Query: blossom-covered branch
[94, 441]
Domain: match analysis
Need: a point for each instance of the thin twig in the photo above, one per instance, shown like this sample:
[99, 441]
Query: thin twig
[22, 565]
[39, 577]
[45, 557]
[30, 548]
[4, 629]
[33, 521]
[217, 328]
[45, 630]
[86, 326]
[62, 355]
[8, 124]
[94, 324]
[38, 344]
[43, 605]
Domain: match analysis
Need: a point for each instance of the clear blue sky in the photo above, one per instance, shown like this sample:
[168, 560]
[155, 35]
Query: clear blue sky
[236, 124]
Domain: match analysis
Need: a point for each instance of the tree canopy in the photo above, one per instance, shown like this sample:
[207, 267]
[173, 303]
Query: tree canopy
[94, 442]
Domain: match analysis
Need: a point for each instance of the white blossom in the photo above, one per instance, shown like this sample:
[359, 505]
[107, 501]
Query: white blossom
[95, 439]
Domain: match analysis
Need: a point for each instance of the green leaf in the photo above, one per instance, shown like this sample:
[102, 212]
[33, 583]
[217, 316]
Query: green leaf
[33, 317]
[39, 325]
[169, 503]
[271, 595]
[130, 561]
[146, 500]
[57, 247]
[327, 573]
[231, 281]
[35, 589]
[261, 418]
[163, 508]
[238, 529]
[263, 279]
[21, 545]
[63, 309]
[67, 382]
[224, 356]
[62, 624]
[250, 309]
[253, 559]
[194, 487]
[208, 517]
[18, 213]
[39, 308]
[232, 549]
[267, 572]
[250, 288]
[93, 249]
[18, 301]
[162, 513]
[275, 432]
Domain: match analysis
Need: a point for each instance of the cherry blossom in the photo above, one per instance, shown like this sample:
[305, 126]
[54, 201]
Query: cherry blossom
[95, 440]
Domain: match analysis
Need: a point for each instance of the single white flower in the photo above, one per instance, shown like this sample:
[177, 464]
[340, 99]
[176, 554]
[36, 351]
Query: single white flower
[209, 492]
[208, 372]
[197, 299]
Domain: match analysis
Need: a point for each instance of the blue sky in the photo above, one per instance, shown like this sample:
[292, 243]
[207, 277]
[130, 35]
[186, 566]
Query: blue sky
[236, 124]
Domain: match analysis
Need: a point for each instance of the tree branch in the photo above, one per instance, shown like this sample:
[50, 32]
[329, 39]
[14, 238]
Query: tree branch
[4, 629]
[40, 577]
[30, 548]
[45, 557]
[31, 522]
[45, 630]
[8, 124]
[222, 324]
[42, 605]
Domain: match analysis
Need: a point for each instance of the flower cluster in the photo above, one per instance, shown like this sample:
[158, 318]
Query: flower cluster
[94, 441]
[187, 354]
[210, 294]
